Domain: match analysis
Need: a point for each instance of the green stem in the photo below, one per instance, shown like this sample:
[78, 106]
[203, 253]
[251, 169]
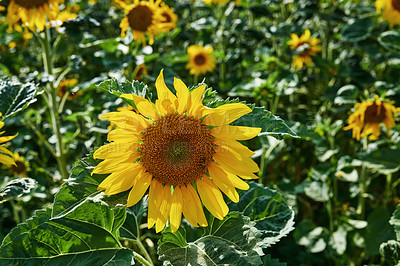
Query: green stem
[144, 251]
[133, 49]
[15, 212]
[388, 190]
[274, 106]
[53, 105]
[142, 260]
[363, 186]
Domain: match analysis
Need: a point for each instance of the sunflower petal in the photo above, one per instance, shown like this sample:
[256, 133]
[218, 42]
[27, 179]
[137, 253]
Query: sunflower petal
[163, 92]
[225, 114]
[155, 197]
[165, 208]
[175, 215]
[139, 188]
[192, 208]
[221, 179]
[212, 198]
[144, 106]
[183, 95]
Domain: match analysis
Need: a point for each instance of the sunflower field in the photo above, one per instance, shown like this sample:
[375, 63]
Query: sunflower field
[200, 132]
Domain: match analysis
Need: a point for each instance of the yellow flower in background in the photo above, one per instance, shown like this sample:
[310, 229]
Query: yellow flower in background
[143, 18]
[20, 165]
[168, 17]
[201, 60]
[369, 115]
[305, 46]
[389, 10]
[184, 152]
[6, 156]
[220, 2]
[32, 13]
[64, 87]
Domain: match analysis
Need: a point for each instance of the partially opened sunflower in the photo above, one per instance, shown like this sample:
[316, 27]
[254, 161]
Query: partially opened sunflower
[6, 156]
[184, 152]
[305, 47]
[368, 116]
[389, 10]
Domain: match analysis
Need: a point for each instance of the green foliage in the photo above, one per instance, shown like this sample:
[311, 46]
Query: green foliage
[16, 188]
[390, 252]
[395, 221]
[390, 40]
[358, 30]
[15, 97]
[130, 228]
[89, 228]
[270, 124]
[383, 160]
[273, 217]
[233, 240]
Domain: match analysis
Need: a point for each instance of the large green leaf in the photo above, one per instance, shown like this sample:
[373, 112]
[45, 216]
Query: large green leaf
[16, 188]
[384, 160]
[267, 260]
[81, 186]
[357, 30]
[135, 87]
[104, 256]
[390, 40]
[271, 125]
[232, 241]
[395, 221]
[390, 252]
[88, 227]
[273, 217]
[15, 97]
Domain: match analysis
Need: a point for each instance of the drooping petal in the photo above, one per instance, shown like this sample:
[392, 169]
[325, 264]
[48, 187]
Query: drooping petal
[225, 114]
[221, 179]
[155, 197]
[7, 138]
[235, 165]
[165, 208]
[6, 160]
[212, 198]
[192, 208]
[175, 215]
[139, 188]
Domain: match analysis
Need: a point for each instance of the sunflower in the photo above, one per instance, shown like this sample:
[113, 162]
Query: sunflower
[64, 87]
[184, 152]
[368, 117]
[391, 10]
[6, 156]
[201, 60]
[305, 48]
[32, 13]
[143, 17]
[168, 17]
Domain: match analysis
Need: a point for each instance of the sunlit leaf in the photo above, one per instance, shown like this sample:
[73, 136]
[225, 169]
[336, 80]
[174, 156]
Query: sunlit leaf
[16, 188]
[384, 160]
[15, 97]
[390, 40]
[232, 241]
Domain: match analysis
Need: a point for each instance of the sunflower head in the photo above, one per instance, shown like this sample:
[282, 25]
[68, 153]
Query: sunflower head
[6, 156]
[305, 47]
[183, 152]
[201, 59]
[65, 87]
[389, 10]
[368, 116]
[34, 14]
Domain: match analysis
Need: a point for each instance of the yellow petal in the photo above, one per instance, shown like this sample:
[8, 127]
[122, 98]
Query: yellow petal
[175, 215]
[234, 165]
[4, 150]
[233, 146]
[162, 90]
[120, 181]
[115, 150]
[7, 160]
[123, 135]
[212, 198]
[7, 138]
[155, 194]
[235, 132]
[182, 92]
[165, 208]
[139, 188]
[225, 114]
[195, 100]
[116, 164]
[221, 179]
[236, 181]
[192, 208]
[143, 106]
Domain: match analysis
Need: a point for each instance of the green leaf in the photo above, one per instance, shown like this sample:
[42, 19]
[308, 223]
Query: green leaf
[390, 252]
[390, 40]
[395, 221]
[271, 125]
[378, 221]
[135, 87]
[384, 160]
[358, 30]
[81, 186]
[16, 188]
[15, 97]
[346, 95]
[273, 217]
[267, 260]
[313, 237]
[105, 256]
[89, 227]
[110, 45]
[134, 214]
[231, 241]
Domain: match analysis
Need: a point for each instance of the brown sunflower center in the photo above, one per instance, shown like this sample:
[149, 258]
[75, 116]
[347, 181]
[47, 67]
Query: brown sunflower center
[177, 149]
[396, 4]
[375, 114]
[31, 3]
[140, 18]
[200, 59]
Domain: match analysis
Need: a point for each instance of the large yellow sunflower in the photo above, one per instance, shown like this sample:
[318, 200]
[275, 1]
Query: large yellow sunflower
[390, 10]
[201, 60]
[305, 46]
[369, 115]
[143, 17]
[32, 13]
[180, 150]
[6, 156]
